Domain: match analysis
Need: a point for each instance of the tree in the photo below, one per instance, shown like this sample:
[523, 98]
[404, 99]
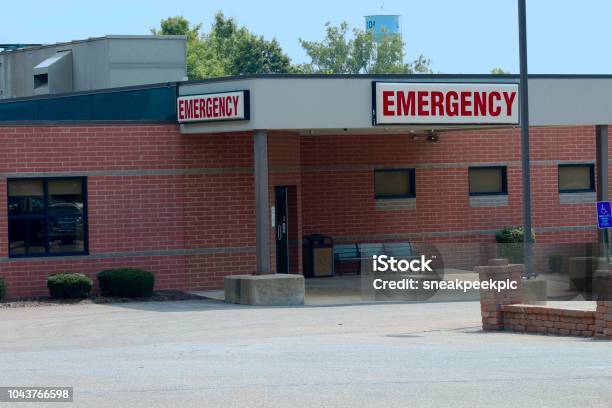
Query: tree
[226, 50]
[179, 25]
[498, 71]
[338, 54]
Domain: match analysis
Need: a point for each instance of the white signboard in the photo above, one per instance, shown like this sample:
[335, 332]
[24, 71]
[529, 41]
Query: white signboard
[402, 103]
[213, 107]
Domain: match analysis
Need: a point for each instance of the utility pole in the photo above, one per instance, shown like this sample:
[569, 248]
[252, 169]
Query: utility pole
[524, 102]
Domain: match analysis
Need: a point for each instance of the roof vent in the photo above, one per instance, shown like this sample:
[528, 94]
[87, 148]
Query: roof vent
[54, 75]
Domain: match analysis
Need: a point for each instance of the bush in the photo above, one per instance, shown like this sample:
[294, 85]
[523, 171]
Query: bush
[511, 235]
[69, 286]
[511, 240]
[554, 263]
[2, 288]
[126, 282]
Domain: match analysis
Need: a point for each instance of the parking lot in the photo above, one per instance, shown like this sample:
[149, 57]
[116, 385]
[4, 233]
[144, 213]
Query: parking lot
[206, 353]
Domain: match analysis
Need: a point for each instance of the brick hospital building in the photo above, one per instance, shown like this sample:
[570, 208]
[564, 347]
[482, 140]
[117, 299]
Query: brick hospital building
[198, 180]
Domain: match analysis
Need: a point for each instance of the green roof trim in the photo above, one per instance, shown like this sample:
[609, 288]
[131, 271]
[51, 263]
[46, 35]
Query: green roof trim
[139, 104]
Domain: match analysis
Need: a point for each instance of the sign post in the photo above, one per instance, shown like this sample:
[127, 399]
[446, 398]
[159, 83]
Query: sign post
[604, 221]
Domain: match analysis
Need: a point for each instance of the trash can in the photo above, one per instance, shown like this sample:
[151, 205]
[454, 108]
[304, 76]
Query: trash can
[318, 259]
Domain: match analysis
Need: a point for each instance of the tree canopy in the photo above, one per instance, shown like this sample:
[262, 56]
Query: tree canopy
[178, 25]
[339, 54]
[226, 50]
[499, 71]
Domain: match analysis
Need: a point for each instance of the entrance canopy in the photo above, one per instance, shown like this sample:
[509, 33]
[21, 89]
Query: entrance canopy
[354, 103]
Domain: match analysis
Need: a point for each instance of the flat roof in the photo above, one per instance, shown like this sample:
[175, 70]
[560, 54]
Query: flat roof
[91, 39]
[393, 76]
[273, 76]
[326, 102]
[332, 103]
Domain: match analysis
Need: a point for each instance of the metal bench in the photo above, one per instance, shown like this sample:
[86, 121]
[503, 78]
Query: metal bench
[367, 250]
[347, 253]
[357, 252]
[401, 250]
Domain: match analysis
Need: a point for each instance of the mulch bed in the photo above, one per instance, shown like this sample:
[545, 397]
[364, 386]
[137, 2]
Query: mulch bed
[158, 296]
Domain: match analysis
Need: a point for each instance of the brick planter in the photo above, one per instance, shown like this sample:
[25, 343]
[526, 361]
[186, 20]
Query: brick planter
[546, 320]
[491, 301]
[504, 311]
[603, 313]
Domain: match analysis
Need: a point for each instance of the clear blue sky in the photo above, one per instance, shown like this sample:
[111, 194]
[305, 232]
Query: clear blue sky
[470, 36]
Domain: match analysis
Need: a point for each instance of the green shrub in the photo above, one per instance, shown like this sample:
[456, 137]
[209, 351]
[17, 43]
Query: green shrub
[126, 282]
[511, 235]
[2, 288]
[69, 286]
[510, 240]
[554, 263]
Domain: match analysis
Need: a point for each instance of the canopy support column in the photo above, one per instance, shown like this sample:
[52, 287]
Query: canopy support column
[262, 211]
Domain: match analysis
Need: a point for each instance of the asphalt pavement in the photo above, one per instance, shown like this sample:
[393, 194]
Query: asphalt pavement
[209, 354]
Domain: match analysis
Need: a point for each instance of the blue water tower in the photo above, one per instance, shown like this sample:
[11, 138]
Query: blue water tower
[382, 25]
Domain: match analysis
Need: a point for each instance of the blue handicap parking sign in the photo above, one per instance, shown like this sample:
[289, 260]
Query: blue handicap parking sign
[604, 214]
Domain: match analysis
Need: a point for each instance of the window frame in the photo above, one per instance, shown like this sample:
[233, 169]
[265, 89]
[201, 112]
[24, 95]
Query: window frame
[411, 187]
[591, 167]
[504, 181]
[45, 217]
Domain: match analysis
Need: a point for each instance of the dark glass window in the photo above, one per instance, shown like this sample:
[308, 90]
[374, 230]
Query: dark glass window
[575, 178]
[394, 183]
[47, 217]
[488, 180]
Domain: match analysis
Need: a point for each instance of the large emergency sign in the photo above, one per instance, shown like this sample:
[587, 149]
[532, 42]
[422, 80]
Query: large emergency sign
[213, 107]
[402, 103]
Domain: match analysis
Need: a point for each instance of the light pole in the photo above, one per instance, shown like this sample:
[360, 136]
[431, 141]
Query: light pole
[524, 102]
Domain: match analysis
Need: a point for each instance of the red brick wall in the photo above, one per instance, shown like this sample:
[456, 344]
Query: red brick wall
[183, 205]
[180, 206]
[338, 188]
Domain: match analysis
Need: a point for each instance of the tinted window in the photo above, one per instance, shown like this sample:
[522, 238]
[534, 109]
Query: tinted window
[394, 183]
[47, 217]
[576, 178]
[487, 180]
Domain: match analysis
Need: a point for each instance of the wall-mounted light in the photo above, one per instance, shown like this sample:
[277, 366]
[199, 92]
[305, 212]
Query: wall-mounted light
[432, 136]
[429, 136]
